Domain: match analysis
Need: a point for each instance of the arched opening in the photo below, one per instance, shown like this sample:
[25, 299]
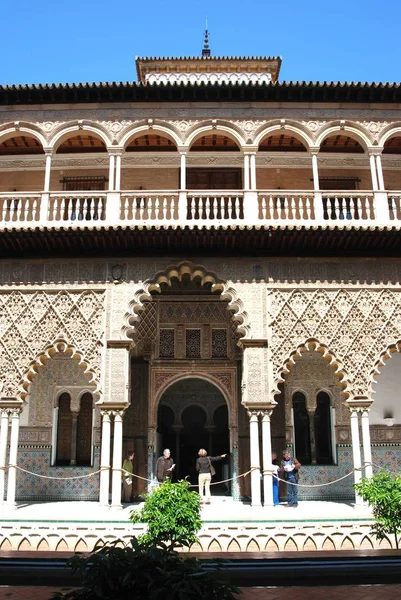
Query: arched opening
[340, 202]
[391, 176]
[64, 430]
[302, 440]
[322, 426]
[84, 431]
[224, 177]
[273, 175]
[93, 176]
[150, 174]
[29, 179]
[193, 414]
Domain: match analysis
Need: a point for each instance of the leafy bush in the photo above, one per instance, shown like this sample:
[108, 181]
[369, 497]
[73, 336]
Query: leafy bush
[383, 493]
[172, 513]
[113, 573]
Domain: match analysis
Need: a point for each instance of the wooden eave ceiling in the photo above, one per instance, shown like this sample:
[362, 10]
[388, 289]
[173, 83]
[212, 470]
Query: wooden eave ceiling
[214, 241]
[85, 93]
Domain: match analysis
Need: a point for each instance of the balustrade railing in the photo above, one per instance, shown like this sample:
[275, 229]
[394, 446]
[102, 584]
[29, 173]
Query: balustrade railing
[223, 207]
[20, 208]
[149, 206]
[74, 207]
[215, 206]
[286, 206]
[348, 206]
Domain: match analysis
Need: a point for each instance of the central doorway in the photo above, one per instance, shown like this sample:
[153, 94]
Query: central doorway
[193, 414]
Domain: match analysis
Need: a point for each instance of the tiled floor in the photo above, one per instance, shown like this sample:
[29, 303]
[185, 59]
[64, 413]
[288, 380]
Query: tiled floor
[356, 592]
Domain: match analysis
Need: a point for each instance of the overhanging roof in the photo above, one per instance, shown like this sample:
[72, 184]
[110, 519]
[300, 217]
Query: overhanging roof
[235, 240]
[85, 93]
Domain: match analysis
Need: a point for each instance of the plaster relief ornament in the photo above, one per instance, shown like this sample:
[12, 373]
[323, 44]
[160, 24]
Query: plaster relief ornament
[183, 126]
[118, 273]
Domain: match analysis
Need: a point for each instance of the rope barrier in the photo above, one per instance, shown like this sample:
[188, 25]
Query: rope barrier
[123, 471]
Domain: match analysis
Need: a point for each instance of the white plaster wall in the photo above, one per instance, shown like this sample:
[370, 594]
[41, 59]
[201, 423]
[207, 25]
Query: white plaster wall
[387, 396]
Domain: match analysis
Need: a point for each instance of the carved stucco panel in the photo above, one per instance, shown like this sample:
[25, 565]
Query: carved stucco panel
[254, 383]
[58, 375]
[356, 325]
[30, 321]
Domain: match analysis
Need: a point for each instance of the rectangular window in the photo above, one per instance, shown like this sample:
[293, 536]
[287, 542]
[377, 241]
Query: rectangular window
[193, 343]
[166, 346]
[82, 183]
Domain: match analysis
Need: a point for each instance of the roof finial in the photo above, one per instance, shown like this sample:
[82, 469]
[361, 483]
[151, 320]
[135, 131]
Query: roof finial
[206, 49]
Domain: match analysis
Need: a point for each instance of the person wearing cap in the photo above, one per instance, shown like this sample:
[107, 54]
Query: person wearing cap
[289, 467]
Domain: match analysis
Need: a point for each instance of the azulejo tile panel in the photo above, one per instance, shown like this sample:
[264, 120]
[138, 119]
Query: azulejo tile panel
[30, 487]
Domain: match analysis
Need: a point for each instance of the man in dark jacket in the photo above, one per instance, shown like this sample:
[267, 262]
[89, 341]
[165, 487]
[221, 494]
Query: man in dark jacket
[289, 467]
[164, 466]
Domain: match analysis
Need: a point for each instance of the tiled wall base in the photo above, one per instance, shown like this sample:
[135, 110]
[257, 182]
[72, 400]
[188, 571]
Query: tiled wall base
[236, 537]
[383, 456]
[33, 488]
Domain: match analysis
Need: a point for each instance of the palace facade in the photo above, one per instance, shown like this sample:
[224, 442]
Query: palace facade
[206, 258]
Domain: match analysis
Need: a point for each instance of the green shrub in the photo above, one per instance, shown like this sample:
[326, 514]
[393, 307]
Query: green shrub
[140, 572]
[383, 493]
[172, 514]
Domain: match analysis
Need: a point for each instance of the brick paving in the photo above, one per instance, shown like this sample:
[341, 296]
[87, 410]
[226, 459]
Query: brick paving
[343, 592]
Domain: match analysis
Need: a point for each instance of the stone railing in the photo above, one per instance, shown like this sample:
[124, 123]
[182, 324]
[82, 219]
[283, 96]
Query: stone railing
[200, 208]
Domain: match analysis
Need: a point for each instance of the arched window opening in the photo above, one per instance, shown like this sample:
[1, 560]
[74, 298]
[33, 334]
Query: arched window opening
[84, 431]
[324, 454]
[301, 429]
[64, 430]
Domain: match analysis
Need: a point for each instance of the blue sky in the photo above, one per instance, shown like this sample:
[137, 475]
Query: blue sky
[52, 41]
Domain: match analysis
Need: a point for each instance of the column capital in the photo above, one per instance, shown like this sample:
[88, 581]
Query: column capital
[119, 344]
[11, 404]
[358, 403]
[253, 343]
[118, 151]
[48, 151]
[314, 149]
[183, 150]
[250, 151]
[377, 151]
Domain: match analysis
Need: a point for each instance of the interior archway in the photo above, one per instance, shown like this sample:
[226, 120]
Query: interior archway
[193, 414]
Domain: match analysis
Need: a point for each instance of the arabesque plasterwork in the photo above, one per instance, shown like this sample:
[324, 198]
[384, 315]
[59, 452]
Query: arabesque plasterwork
[31, 321]
[352, 328]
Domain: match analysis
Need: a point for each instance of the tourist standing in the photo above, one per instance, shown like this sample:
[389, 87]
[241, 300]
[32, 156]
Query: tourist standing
[205, 471]
[290, 466]
[164, 467]
[128, 469]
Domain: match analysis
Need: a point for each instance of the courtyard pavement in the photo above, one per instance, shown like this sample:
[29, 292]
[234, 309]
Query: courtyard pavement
[344, 592]
[222, 508]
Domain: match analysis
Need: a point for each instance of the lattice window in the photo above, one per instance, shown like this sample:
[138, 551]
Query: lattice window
[166, 344]
[193, 343]
[219, 343]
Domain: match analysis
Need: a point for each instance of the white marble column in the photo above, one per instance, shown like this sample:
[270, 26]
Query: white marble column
[255, 458]
[12, 471]
[183, 171]
[105, 459]
[253, 170]
[118, 172]
[367, 450]
[373, 172]
[379, 169]
[112, 166]
[4, 415]
[48, 167]
[356, 450]
[117, 459]
[246, 172]
[267, 458]
[315, 172]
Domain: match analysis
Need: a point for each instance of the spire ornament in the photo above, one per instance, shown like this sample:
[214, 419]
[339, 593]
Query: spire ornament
[206, 49]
